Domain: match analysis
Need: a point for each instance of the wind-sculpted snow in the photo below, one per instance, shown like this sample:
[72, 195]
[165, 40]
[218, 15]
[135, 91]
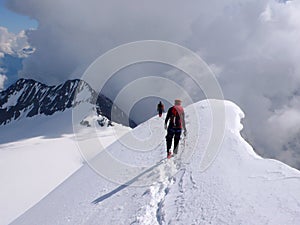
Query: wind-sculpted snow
[238, 187]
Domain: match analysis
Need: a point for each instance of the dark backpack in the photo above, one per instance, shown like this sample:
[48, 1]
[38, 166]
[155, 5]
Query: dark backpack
[175, 118]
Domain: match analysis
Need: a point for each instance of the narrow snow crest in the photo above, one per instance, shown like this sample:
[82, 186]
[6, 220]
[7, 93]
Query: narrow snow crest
[237, 186]
[234, 115]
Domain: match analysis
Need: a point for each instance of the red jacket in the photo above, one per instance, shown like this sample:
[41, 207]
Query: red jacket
[176, 116]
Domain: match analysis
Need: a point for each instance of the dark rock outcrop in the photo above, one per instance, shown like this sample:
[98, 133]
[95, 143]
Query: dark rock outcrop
[28, 98]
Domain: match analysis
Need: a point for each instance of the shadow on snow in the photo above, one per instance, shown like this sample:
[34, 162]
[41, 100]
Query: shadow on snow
[128, 183]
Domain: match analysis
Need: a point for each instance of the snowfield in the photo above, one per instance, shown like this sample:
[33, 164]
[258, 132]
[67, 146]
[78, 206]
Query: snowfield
[239, 187]
[36, 155]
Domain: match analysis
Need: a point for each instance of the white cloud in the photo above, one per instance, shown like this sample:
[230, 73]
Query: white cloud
[266, 16]
[3, 78]
[13, 44]
[253, 46]
[217, 70]
[263, 77]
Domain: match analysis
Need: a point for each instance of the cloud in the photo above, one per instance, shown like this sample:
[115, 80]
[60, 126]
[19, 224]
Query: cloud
[3, 78]
[251, 45]
[71, 34]
[261, 74]
[13, 49]
[13, 44]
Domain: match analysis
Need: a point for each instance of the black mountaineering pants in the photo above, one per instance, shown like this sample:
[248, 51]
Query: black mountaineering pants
[173, 132]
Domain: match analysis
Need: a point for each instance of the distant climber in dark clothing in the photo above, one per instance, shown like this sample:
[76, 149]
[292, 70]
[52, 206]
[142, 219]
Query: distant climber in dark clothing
[175, 116]
[160, 108]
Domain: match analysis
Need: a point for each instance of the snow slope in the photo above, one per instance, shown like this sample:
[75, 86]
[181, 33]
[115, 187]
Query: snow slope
[238, 188]
[36, 155]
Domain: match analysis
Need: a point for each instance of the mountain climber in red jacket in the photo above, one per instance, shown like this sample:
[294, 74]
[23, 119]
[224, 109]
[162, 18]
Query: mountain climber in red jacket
[175, 117]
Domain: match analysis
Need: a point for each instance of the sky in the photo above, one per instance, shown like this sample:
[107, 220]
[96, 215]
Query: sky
[12, 41]
[13, 21]
[251, 45]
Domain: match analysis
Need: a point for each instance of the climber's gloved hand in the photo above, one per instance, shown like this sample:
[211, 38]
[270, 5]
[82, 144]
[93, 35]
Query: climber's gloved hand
[184, 132]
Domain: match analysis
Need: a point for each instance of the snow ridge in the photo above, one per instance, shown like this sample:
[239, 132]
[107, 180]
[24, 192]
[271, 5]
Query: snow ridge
[237, 188]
